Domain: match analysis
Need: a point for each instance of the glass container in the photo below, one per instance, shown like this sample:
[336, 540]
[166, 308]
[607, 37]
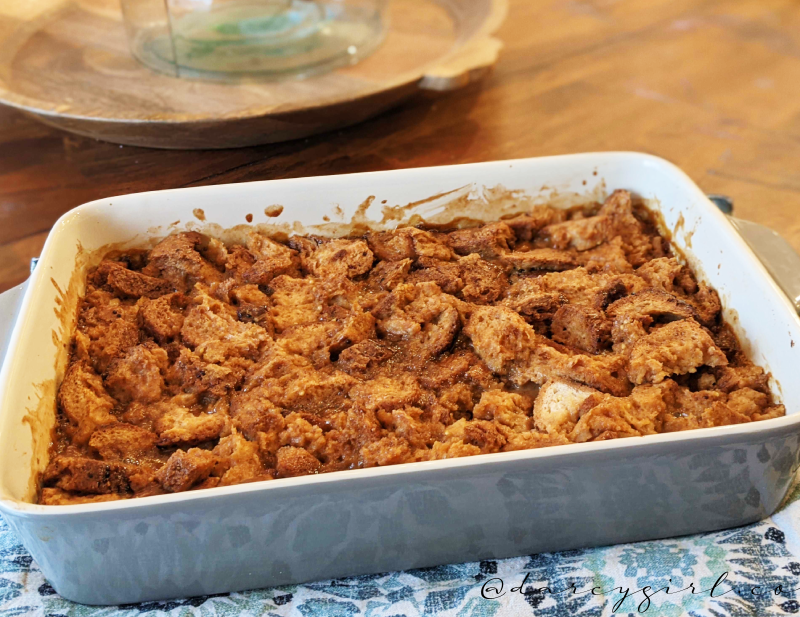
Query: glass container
[236, 39]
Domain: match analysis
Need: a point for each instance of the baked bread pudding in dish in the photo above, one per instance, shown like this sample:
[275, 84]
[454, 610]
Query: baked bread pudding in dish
[196, 364]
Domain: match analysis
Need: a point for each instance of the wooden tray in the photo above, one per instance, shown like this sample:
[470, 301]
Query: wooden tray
[68, 64]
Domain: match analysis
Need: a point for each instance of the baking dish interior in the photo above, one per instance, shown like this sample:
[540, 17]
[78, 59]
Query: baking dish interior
[762, 316]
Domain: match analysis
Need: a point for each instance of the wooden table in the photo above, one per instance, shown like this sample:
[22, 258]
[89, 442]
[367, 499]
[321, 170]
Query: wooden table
[712, 85]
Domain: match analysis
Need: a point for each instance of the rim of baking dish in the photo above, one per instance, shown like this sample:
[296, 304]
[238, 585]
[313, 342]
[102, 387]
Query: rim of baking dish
[718, 435]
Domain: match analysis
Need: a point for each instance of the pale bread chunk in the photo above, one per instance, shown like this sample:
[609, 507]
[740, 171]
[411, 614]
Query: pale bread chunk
[556, 407]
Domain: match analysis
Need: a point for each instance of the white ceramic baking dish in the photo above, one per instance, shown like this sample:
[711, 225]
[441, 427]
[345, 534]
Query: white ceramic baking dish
[405, 516]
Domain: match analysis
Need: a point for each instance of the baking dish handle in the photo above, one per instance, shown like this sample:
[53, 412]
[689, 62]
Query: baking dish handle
[778, 256]
[9, 309]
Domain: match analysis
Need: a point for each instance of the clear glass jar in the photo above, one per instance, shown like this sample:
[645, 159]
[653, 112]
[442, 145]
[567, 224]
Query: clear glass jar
[235, 39]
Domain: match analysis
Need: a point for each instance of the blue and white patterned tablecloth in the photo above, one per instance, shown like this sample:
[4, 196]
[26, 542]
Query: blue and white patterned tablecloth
[759, 560]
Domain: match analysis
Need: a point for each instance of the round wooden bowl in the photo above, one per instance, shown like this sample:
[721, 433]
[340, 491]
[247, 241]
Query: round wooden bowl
[68, 64]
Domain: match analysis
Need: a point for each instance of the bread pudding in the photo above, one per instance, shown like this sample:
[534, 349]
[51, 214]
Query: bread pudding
[198, 364]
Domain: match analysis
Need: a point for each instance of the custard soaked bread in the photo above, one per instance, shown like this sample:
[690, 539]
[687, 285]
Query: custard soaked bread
[197, 364]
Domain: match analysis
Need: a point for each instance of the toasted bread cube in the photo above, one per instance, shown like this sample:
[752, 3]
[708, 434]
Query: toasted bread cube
[185, 469]
[296, 462]
[86, 475]
[124, 442]
[678, 348]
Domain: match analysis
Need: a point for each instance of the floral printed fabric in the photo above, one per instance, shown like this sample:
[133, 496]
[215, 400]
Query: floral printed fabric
[761, 562]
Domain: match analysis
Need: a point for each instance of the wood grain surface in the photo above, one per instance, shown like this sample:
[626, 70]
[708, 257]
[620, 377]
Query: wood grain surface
[712, 85]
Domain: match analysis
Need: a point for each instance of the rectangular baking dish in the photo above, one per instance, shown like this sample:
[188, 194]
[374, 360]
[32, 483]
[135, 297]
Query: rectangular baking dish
[405, 516]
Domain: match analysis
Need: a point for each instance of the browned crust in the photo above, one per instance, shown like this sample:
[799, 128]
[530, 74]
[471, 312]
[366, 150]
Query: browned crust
[197, 365]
